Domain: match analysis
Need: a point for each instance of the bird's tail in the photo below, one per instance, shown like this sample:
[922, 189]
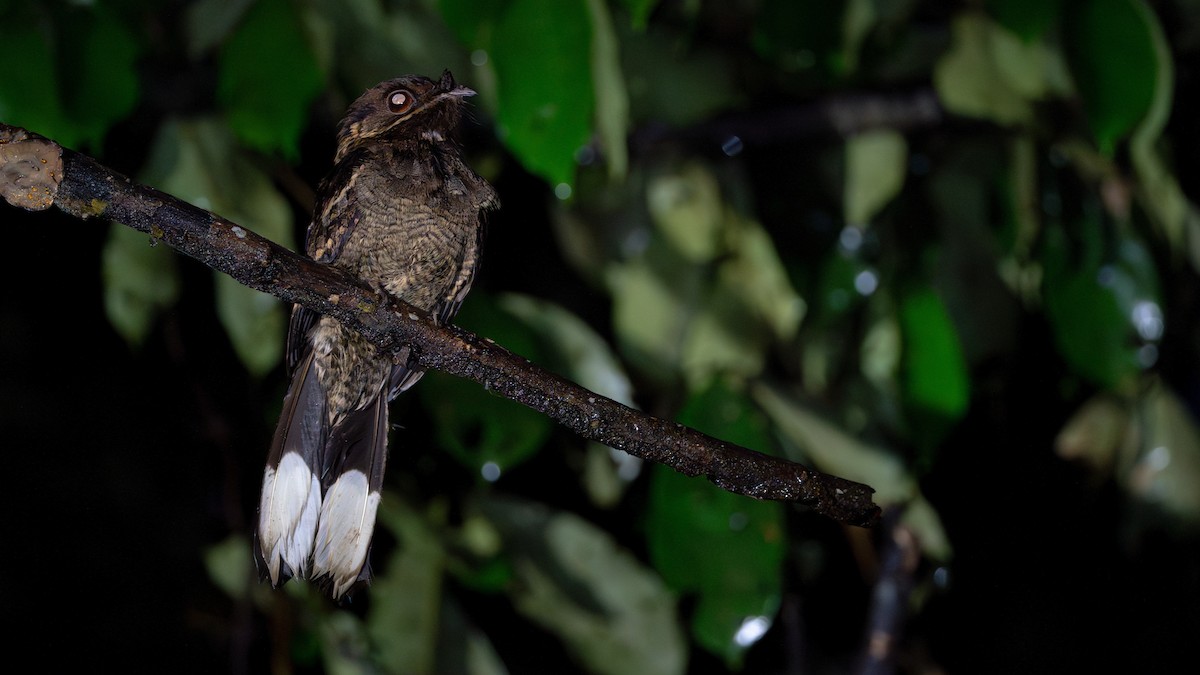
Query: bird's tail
[352, 491]
[321, 489]
[291, 494]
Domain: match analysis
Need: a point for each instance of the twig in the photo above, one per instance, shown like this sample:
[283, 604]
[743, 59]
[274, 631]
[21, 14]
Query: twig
[890, 598]
[36, 173]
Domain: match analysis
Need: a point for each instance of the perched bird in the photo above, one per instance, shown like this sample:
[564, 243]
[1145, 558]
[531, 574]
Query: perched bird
[403, 213]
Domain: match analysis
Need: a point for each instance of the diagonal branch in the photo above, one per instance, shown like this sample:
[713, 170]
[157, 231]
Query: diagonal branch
[36, 173]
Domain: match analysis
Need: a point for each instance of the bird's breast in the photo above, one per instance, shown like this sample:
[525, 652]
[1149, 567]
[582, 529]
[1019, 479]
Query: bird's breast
[411, 240]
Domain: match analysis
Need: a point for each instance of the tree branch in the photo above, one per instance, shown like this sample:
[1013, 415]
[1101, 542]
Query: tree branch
[36, 173]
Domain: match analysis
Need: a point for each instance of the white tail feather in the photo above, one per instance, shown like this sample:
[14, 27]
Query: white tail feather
[291, 500]
[344, 534]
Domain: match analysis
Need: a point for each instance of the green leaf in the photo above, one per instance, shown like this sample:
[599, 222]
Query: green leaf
[612, 100]
[797, 35]
[686, 207]
[29, 94]
[933, 368]
[576, 350]
[1090, 301]
[228, 564]
[210, 21]
[140, 281]
[612, 614]
[344, 645]
[542, 54]
[725, 548]
[751, 304]
[1163, 198]
[639, 11]
[473, 21]
[970, 82]
[1028, 19]
[476, 426]
[835, 291]
[1111, 46]
[837, 452]
[934, 381]
[97, 64]
[667, 89]
[199, 162]
[402, 619]
[876, 165]
[755, 273]
[254, 321]
[1168, 471]
[267, 78]
[652, 299]
[579, 353]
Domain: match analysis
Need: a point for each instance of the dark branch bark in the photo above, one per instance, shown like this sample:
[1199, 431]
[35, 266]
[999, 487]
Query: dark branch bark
[36, 173]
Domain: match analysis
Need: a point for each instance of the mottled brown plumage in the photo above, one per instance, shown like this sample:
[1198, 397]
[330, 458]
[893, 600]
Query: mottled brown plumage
[402, 212]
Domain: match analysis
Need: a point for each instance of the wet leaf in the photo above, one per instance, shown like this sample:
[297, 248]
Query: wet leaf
[613, 614]
[724, 548]
[267, 78]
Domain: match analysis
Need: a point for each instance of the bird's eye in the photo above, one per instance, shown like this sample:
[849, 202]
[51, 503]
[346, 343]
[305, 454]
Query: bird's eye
[400, 100]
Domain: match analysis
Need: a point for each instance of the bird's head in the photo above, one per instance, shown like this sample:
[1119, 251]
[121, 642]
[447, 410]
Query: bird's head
[409, 107]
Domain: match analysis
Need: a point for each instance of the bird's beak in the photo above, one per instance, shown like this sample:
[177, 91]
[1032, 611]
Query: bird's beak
[448, 85]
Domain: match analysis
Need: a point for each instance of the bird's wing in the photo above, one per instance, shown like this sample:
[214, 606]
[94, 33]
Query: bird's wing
[334, 219]
[336, 215]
